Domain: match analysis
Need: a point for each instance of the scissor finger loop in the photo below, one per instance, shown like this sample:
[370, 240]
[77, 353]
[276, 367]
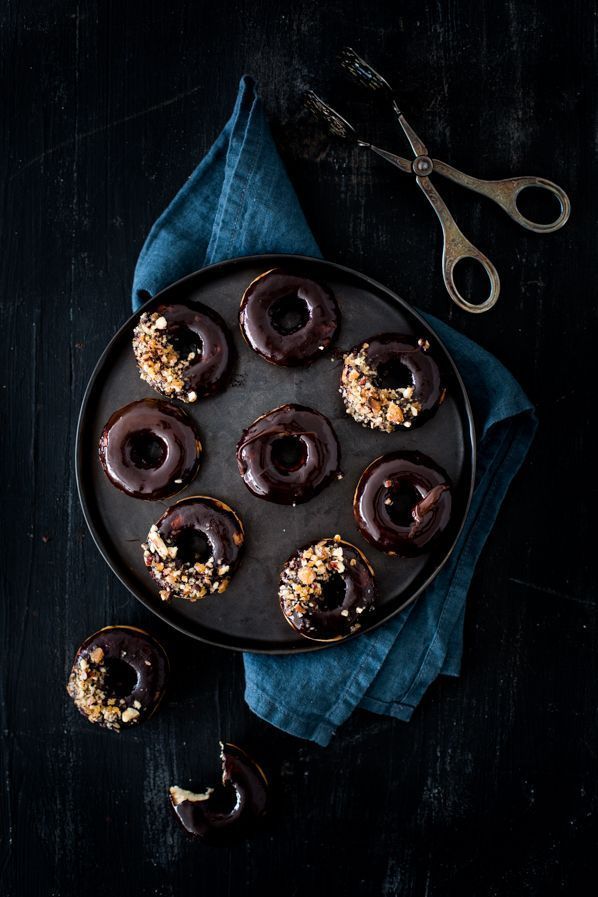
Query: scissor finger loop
[506, 192]
[455, 252]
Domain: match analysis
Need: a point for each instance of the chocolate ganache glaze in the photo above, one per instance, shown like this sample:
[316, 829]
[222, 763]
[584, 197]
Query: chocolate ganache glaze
[150, 449]
[403, 503]
[288, 319]
[288, 455]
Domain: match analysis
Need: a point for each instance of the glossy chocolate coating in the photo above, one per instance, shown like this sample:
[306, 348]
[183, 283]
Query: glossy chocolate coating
[329, 625]
[429, 515]
[144, 655]
[423, 369]
[304, 344]
[318, 464]
[154, 419]
[209, 374]
[218, 523]
[202, 819]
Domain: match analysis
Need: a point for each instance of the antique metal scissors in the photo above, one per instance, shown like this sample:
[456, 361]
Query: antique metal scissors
[456, 246]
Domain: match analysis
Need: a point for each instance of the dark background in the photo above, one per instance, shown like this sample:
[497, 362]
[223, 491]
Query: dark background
[105, 110]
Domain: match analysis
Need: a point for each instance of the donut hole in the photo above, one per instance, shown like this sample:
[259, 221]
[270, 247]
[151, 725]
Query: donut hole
[146, 450]
[333, 592]
[393, 374]
[185, 342]
[289, 314]
[288, 453]
[121, 678]
[400, 500]
[193, 546]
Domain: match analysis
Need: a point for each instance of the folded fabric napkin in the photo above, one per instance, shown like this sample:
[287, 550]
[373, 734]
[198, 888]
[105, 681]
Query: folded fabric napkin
[239, 201]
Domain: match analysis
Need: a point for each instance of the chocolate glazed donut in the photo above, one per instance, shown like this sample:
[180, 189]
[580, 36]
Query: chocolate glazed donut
[288, 455]
[327, 589]
[183, 351]
[403, 503]
[150, 449]
[391, 382]
[194, 548]
[118, 677]
[288, 319]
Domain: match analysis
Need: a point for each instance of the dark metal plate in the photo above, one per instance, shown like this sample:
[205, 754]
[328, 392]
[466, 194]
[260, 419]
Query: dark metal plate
[247, 615]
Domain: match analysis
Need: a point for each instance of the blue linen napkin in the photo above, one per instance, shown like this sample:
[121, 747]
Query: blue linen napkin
[239, 201]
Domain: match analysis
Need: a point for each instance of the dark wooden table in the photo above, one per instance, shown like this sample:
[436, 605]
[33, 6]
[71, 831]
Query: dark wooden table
[106, 108]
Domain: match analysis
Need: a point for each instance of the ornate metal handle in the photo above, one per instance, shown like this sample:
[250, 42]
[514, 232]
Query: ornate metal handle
[505, 194]
[457, 247]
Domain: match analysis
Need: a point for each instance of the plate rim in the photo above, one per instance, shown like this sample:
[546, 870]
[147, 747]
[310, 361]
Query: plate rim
[257, 259]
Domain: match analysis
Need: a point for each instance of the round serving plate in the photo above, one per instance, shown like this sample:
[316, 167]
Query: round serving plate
[247, 616]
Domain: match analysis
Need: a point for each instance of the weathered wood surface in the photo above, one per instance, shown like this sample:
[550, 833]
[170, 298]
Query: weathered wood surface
[106, 108]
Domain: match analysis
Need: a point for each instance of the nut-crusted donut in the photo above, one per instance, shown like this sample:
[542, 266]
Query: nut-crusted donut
[288, 319]
[118, 677]
[288, 455]
[327, 589]
[390, 382]
[183, 351]
[403, 503]
[150, 449]
[194, 548]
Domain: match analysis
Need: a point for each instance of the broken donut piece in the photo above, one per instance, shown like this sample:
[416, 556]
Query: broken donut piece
[208, 817]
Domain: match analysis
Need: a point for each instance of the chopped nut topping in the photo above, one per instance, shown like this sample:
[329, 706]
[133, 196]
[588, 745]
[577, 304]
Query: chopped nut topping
[129, 715]
[87, 688]
[159, 363]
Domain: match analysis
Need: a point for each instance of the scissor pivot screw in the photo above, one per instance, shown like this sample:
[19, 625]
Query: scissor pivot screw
[423, 166]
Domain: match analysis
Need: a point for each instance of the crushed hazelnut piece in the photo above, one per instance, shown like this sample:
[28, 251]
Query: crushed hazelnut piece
[129, 715]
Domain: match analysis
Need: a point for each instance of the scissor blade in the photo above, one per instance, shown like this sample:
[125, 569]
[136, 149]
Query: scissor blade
[417, 144]
[403, 164]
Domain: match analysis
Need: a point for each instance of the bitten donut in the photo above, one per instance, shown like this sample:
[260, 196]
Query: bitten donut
[327, 589]
[402, 503]
[206, 816]
[183, 351]
[288, 319]
[391, 382]
[118, 677]
[288, 455]
[194, 548]
[150, 449]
